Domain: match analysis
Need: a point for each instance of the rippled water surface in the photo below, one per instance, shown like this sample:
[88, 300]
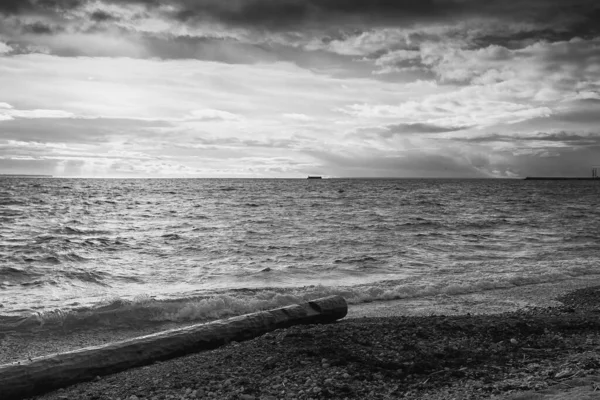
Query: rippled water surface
[68, 243]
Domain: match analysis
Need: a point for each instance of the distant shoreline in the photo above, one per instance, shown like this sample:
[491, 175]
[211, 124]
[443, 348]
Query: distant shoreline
[24, 176]
[560, 178]
[532, 178]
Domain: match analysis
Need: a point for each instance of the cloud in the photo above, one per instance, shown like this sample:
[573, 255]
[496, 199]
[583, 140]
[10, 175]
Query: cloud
[297, 117]
[399, 129]
[8, 112]
[103, 16]
[436, 157]
[466, 107]
[40, 28]
[286, 14]
[405, 164]
[212, 115]
[354, 27]
[4, 48]
[249, 87]
[551, 139]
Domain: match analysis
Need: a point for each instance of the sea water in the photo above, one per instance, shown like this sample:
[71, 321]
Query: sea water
[207, 248]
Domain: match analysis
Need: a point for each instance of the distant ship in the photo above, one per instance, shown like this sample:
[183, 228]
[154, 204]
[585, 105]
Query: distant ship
[314, 177]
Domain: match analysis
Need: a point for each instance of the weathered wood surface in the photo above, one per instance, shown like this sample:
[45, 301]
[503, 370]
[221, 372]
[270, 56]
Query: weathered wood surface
[43, 374]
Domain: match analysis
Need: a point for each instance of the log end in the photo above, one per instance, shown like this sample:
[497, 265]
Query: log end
[330, 308]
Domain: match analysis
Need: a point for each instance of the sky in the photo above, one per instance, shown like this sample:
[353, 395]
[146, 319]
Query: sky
[290, 88]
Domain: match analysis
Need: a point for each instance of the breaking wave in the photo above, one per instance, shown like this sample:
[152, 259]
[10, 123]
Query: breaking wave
[145, 310]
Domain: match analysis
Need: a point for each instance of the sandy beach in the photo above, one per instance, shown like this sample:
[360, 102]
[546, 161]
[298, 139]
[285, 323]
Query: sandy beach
[507, 343]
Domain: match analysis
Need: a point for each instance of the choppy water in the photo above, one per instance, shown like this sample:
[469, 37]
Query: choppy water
[216, 247]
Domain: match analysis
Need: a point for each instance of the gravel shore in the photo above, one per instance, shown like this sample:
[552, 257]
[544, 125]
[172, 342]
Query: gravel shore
[532, 353]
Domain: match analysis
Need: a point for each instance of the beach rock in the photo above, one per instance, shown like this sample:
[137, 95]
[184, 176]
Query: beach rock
[27, 378]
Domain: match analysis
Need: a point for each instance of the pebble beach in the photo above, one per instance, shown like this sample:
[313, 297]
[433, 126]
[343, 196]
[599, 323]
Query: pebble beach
[537, 342]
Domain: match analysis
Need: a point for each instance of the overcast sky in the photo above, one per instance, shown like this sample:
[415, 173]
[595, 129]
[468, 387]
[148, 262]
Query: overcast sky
[287, 88]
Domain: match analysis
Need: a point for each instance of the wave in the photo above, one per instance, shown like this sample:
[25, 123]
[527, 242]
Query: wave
[53, 258]
[68, 230]
[12, 202]
[40, 283]
[355, 260]
[422, 223]
[171, 236]
[87, 276]
[146, 310]
[40, 276]
[13, 275]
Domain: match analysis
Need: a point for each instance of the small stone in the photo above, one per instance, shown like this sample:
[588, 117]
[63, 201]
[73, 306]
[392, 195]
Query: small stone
[316, 389]
[514, 341]
[563, 374]
[133, 397]
[346, 376]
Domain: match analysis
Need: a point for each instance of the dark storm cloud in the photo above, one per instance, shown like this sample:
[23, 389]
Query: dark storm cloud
[586, 29]
[23, 6]
[102, 16]
[285, 13]
[580, 14]
[297, 22]
[39, 28]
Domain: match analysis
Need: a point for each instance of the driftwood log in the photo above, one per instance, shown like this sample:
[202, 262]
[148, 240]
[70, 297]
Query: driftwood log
[27, 378]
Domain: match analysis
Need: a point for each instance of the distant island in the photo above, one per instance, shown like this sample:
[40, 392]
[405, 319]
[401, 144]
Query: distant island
[314, 177]
[24, 176]
[561, 178]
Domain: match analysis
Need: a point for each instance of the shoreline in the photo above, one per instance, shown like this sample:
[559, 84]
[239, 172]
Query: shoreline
[37, 342]
[540, 353]
[372, 332]
[494, 301]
